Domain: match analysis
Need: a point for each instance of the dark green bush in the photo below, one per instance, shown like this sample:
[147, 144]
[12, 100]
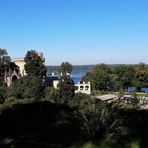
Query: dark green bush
[27, 87]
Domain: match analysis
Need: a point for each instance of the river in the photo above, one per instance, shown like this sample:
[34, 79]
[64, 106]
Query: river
[77, 75]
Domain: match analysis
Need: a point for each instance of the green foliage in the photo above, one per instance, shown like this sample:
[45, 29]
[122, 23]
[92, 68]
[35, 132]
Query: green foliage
[66, 90]
[135, 100]
[141, 76]
[3, 93]
[124, 76]
[27, 87]
[4, 62]
[51, 94]
[98, 120]
[65, 68]
[38, 125]
[102, 67]
[119, 78]
[100, 78]
[89, 145]
[94, 124]
[4, 58]
[35, 64]
[78, 99]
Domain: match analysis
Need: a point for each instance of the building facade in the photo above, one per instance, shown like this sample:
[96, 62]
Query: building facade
[13, 75]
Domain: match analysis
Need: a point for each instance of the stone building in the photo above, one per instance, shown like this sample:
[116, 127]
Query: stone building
[21, 64]
[13, 75]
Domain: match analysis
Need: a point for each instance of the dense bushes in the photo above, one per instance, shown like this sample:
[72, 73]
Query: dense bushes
[27, 87]
[26, 123]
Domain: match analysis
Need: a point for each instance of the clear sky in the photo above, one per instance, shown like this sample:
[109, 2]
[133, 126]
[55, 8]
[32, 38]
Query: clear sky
[77, 31]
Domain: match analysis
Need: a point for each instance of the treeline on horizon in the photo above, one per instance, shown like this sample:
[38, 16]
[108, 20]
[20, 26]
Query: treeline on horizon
[75, 67]
[85, 67]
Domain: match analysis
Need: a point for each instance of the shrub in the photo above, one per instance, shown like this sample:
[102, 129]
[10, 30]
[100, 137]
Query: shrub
[98, 120]
[51, 94]
[27, 87]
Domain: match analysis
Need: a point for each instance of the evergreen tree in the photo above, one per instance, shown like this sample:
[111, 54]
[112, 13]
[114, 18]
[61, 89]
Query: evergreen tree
[4, 64]
[66, 68]
[35, 64]
[66, 85]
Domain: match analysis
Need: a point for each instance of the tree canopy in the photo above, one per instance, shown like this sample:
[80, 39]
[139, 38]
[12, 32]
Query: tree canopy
[4, 64]
[35, 64]
[27, 87]
[119, 78]
[124, 75]
[141, 76]
[100, 78]
[66, 68]
[66, 84]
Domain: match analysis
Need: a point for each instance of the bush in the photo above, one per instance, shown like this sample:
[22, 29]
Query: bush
[27, 87]
[3, 94]
[79, 99]
[1, 99]
[99, 120]
[51, 94]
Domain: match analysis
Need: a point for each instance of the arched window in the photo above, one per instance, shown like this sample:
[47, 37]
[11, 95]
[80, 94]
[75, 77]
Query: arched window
[81, 87]
[14, 78]
[76, 87]
[86, 87]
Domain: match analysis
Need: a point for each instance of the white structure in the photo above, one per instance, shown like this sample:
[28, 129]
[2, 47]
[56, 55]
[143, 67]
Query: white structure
[21, 64]
[83, 88]
[55, 84]
[80, 87]
[11, 76]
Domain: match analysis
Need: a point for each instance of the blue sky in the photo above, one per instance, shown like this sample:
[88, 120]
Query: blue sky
[77, 31]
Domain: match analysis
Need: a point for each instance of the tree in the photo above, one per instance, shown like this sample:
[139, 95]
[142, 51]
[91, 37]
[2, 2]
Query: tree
[102, 67]
[124, 76]
[141, 76]
[32, 85]
[66, 84]
[100, 78]
[35, 64]
[66, 68]
[51, 94]
[4, 64]
[4, 58]
[27, 87]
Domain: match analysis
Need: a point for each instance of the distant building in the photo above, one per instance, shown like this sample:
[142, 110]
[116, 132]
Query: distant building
[21, 64]
[108, 98]
[127, 98]
[13, 75]
[52, 81]
[83, 88]
[79, 87]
